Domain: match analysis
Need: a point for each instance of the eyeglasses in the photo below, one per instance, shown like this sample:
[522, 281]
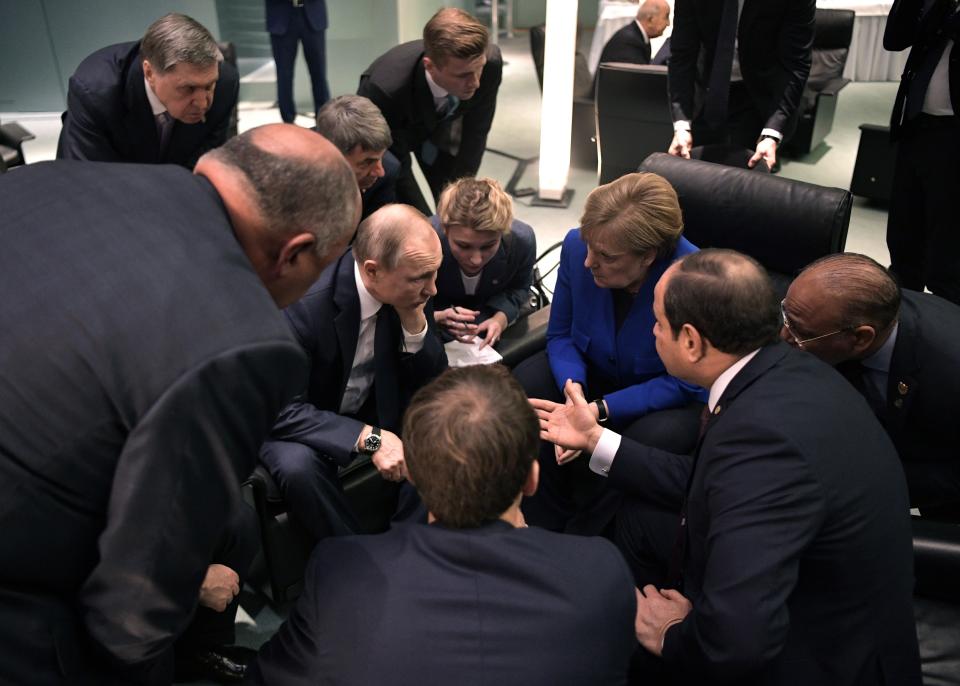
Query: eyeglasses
[796, 339]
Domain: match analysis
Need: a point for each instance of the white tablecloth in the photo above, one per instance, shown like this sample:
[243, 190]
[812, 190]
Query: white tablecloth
[867, 61]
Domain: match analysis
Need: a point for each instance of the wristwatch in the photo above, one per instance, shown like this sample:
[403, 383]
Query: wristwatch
[602, 415]
[371, 443]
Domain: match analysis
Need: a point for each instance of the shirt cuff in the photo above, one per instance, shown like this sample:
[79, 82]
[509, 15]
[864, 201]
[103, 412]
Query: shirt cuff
[606, 450]
[681, 125]
[772, 132]
[413, 342]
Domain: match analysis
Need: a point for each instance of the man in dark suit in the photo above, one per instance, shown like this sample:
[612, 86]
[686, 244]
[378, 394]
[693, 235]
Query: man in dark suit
[167, 98]
[439, 97]
[358, 129]
[473, 597]
[793, 558]
[144, 361]
[293, 22]
[922, 225]
[364, 326]
[631, 44]
[899, 349]
[748, 96]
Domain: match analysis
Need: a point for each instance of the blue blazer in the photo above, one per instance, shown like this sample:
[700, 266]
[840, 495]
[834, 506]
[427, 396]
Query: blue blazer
[279, 11]
[505, 283]
[582, 334]
[108, 117]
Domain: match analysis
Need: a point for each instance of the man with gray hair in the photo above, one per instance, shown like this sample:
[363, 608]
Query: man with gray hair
[631, 44]
[144, 361]
[356, 126]
[365, 325]
[167, 98]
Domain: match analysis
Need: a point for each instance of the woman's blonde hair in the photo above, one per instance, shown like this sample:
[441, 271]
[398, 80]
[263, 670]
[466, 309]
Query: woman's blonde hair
[479, 204]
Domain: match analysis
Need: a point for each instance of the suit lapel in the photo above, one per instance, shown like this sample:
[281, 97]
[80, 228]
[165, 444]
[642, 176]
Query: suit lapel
[903, 379]
[138, 117]
[347, 320]
[492, 277]
[423, 97]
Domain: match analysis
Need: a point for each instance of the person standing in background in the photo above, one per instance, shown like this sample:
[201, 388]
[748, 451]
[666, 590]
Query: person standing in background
[291, 22]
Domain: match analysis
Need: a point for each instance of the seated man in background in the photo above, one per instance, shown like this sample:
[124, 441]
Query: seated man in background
[900, 350]
[358, 129]
[167, 98]
[438, 95]
[364, 326]
[793, 560]
[144, 362]
[474, 596]
[631, 44]
[487, 270]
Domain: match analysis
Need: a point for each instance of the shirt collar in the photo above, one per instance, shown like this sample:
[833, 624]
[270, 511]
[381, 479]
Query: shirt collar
[646, 38]
[880, 360]
[369, 305]
[155, 104]
[438, 92]
[720, 385]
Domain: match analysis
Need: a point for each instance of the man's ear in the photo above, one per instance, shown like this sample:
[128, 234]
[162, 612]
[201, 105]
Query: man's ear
[148, 72]
[693, 345]
[532, 480]
[292, 251]
[370, 269]
[863, 338]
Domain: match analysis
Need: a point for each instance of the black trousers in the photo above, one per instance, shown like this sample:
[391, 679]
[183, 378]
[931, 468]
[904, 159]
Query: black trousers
[923, 233]
[573, 499]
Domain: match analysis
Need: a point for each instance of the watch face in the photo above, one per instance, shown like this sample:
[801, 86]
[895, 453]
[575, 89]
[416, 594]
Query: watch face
[371, 443]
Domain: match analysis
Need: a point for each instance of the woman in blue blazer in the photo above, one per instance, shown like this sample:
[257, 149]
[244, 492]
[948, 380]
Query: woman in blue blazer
[600, 336]
[484, 280]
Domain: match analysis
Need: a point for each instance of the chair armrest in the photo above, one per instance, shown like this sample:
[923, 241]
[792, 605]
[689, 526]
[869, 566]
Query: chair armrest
[524, 337]
[13, 134]
[936, 552]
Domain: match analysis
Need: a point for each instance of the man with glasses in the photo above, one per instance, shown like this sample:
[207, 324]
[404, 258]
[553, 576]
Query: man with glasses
[900, 350]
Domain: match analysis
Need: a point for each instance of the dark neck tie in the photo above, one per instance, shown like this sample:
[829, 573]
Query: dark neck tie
[449, 106]
[164, 129]
[718, 93]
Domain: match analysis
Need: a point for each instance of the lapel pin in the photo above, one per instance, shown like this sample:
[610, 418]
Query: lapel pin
[716, 410]
[902, 388]
[898, 403]
[496, 281]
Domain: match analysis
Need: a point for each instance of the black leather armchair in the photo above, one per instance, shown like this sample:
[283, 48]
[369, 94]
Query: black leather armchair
[782, 223]
[936, 551]
[633, 116]
[12, 138]
[831, 45]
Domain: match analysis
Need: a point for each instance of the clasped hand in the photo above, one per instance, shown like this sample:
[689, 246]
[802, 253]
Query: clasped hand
[657, 611]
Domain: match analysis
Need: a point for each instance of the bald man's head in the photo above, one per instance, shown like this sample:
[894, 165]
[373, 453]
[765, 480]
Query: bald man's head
[399, 254]
[654, 15]
[288, 192]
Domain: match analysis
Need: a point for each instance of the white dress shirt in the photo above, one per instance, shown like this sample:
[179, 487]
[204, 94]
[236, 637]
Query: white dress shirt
[362, 370]
[937, 98]
[609, 441]
[439, 93]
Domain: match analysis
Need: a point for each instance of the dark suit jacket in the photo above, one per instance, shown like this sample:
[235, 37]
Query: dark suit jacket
[627, 45]
[582, 339]
[922, 406]
[424, 604]
[397, 84]
[279, 12]
[143, 364]
[774, 42]
[326, 322]
[798, 541]
[504, 285]
[108, 117]
[919, 25]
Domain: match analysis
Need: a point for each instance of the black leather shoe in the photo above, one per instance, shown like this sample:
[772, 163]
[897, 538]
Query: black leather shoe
[222, 664]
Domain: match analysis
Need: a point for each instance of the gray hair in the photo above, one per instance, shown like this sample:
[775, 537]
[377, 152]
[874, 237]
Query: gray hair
[352, 120]
[175, 38]
[295, 194]
[380, 236]
[862, 289]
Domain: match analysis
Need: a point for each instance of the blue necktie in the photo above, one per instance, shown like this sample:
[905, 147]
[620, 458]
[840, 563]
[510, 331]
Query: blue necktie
[428, 151]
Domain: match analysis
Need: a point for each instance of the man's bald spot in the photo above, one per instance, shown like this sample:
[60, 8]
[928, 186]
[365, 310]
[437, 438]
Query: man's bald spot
[289, 140]
[652, 8]
[858, 288]
[392, 231]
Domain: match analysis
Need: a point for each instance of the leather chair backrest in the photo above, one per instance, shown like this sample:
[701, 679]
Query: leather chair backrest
[833, 32]
[633, 116]
[782, 223]
[936, 559]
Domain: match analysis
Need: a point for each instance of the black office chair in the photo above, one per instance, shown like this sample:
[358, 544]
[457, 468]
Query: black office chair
[12, 138]
[229, 51]
[782, 223]
[633, 116]
[936, 603]
[831, 46]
